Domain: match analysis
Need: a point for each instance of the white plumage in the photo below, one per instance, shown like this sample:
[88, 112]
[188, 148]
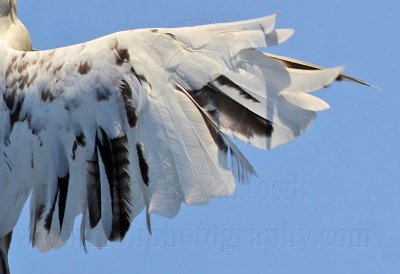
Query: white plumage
[140, 120]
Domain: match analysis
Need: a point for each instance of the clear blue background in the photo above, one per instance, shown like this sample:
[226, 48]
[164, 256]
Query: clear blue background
[327, 203]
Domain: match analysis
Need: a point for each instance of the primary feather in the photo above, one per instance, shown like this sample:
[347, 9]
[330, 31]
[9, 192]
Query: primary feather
[142, 120]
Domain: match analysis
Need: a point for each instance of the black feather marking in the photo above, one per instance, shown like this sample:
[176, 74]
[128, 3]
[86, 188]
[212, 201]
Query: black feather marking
[74, 148]
[84, 68]
[8, 239]
[49, 216]
[39, 211]
[9, 99]
[47, 95]
[7, 161]
[9, 166]
[61, 196]
[121, 56]
[63, 184]
[215, 134]
[3, 262]
[230, 114]
[144, 168]
[126, 93]
[148, 223]
[93, 188]
[173, 36]
[14, 114]
[100, 96]
[141, 78]
[80, 139]
[32, 161]
[115, 157]
[225, 81]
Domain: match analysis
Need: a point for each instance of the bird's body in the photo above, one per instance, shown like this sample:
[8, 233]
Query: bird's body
[139, 120]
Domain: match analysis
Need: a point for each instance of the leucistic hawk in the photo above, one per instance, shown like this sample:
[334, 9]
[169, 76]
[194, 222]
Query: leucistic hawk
[139, 119]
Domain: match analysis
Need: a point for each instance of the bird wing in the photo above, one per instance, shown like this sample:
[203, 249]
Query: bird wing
[141, 120]
[299, 64]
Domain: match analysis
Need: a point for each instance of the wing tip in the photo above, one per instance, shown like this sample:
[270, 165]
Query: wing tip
[284, 34]
[345, 77]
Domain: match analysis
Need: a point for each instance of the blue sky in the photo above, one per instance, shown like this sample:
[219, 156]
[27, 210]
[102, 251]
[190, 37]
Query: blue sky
[327, 203]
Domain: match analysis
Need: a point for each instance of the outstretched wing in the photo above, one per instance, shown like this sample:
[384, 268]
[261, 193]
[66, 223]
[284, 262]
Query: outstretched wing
[141, 119]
